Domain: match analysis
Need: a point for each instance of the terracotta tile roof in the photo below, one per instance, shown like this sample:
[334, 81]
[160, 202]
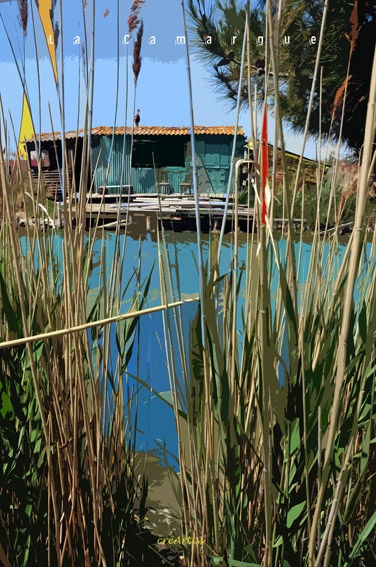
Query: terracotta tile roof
[146, 131]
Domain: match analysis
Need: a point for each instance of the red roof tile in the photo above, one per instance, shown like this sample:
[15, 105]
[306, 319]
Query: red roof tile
[146, 131]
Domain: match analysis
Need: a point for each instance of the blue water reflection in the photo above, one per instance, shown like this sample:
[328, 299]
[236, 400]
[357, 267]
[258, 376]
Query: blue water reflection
[149, 361]
[155, 419]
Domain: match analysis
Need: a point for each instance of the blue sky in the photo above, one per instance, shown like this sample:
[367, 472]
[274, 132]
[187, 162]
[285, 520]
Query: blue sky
[162, 85]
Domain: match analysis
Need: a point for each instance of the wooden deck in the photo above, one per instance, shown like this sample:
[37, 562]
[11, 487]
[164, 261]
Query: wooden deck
[173, 211]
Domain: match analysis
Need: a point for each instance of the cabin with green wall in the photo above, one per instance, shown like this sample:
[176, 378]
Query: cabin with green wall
[162, 158]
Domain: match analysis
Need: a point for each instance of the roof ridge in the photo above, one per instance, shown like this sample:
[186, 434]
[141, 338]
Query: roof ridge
[144, 130]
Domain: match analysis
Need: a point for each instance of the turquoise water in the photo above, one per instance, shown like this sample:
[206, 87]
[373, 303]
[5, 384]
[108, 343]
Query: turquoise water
[156, 425]
[155, 420]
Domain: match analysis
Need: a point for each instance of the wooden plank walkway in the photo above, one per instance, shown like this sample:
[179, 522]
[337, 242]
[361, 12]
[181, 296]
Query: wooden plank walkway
[176, 209]
[145, 211]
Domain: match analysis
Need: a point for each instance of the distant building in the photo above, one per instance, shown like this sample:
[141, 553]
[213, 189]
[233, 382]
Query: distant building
[161, 157]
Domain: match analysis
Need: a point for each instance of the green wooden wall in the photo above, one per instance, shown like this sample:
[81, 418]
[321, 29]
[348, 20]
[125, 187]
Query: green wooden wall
[213, 155]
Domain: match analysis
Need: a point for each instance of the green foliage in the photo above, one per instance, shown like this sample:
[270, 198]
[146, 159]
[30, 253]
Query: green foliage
[67, 480]
[256, 442]
[320, 206]
[349, 27]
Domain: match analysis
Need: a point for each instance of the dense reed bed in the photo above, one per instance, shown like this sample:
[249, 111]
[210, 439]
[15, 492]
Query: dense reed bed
[274, 398]
[68, 486]
[276, 415]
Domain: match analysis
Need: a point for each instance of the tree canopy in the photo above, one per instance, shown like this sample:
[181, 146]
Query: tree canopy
[345, 63]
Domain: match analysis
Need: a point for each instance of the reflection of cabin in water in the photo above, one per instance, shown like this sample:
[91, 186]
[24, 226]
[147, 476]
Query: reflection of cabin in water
[161, 158]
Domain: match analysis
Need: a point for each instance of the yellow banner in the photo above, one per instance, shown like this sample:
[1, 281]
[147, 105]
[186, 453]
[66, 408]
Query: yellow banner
[26, 128]
[45, 10]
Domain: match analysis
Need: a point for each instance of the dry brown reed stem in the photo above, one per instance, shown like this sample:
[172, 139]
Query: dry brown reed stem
[286, 198]
[311, 99]
[136, 66]
[66, 382]
[355, 247]
[98, 323]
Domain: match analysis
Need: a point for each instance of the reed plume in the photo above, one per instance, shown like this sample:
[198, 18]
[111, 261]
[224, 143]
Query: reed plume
[137, 59]
[23, 16]
[133, 20]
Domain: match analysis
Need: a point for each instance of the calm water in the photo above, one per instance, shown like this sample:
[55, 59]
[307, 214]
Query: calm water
[156, 423]
[155, 420]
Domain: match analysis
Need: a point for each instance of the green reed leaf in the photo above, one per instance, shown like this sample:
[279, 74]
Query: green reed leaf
[295, 513]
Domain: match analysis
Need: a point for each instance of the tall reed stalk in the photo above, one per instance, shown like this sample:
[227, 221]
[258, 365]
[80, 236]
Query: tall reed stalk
[68, 484]
[76, 501]
[275, 448]
[274, 399]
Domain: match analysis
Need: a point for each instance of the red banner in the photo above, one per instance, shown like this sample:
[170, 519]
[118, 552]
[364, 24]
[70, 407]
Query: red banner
[265, 193]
